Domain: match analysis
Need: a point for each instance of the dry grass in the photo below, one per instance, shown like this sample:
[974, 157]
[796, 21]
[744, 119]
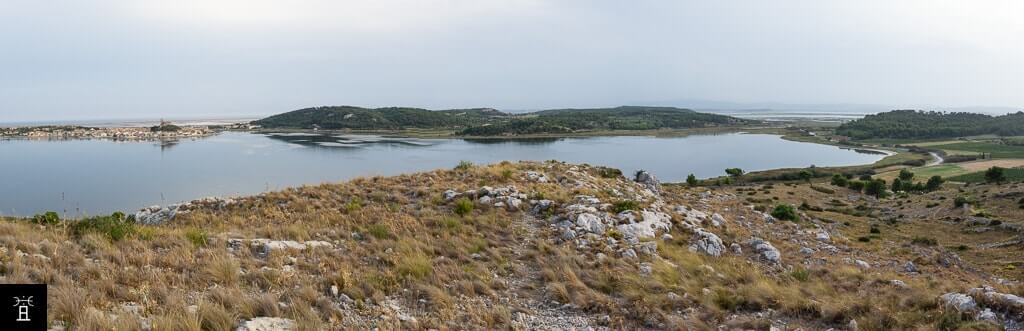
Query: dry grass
[397, 241]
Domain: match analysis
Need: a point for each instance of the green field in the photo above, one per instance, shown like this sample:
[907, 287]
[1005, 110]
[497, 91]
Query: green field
[1012, 175]
[944, 170]
[998, 151]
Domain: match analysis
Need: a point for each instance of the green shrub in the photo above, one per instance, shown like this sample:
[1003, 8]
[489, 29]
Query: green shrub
[924, 241]
[934, 183]
[464, 165]
[876, 188]
[856, 185]
[801, 274]
[116, 226]
[995, 175]
[839, 180]
[451, 224]
[906, 175]
[735, 172]
[822, 189]
[961, 201]
[47, 218]
[379, 231]
[607, 172]
[197, 237]
[624, 205]
[691, 180]
[353, 205]
[784, 212]
[463, 206]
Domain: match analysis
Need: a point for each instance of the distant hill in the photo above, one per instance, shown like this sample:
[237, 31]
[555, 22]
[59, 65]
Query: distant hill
[490, 122]
[920, 124]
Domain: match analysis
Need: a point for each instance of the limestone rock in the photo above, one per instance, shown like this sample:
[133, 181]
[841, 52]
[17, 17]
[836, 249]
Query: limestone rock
[959, 302]
[766, 251]
[267, 324]
[590, 223]
[707, 243]
[717, 220]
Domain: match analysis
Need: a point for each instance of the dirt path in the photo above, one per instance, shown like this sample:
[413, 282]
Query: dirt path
[936, 160]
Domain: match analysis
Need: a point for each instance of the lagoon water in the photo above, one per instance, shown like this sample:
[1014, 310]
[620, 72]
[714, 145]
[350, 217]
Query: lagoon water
[91, 177]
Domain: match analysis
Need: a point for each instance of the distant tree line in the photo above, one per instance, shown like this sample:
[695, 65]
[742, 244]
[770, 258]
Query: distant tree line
[906, 124]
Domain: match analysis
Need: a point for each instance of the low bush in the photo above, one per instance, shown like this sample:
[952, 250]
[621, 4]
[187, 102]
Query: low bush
[197, 237]
[379, 231]
[822, 189]
[624, 205]
[607, 172]
[115, 227]
[464, 165]
[463, 206]
[784, 212]
[924, 241]
[46, 218]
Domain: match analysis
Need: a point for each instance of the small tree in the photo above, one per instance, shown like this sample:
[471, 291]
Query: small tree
[856, 185]
[691, 180]
[897, 184]
[735, 172]
[784, 212]
[839, 180]
[934, 183]
[995, 175]
[876, 188]
[806, 175]
[906, 175]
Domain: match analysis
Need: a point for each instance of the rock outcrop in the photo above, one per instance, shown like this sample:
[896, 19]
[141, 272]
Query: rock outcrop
[267, 324]
[707, 243]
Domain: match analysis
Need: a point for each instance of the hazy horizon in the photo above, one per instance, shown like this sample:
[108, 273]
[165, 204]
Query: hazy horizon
[109, 59]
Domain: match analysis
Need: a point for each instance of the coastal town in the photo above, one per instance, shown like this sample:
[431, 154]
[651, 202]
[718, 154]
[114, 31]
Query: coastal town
[165, 130]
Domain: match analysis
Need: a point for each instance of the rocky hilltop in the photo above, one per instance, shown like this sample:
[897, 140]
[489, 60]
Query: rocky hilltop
[533, 246]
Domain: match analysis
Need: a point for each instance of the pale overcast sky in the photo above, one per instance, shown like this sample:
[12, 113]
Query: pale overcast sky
[82, 59]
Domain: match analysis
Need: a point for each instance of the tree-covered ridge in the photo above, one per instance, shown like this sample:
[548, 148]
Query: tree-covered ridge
[390, 118]
[490, 122]
[920, 124]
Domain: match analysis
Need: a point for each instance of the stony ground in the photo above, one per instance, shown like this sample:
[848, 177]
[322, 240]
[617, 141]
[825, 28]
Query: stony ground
[535, 246]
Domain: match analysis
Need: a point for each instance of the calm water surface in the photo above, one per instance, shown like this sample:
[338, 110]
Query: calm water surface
[90, 177]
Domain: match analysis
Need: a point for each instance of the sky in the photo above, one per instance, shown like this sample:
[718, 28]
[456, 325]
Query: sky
[104, 59]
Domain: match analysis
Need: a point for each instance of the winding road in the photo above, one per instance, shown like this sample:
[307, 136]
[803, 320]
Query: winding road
[936, 159]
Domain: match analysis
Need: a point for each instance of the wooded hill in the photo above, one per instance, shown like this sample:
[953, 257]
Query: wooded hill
[904, 124]
[491, 122]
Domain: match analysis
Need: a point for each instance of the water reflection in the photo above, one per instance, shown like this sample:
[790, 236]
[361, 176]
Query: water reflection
[344, 141]
[519, 141]
[76, 175]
